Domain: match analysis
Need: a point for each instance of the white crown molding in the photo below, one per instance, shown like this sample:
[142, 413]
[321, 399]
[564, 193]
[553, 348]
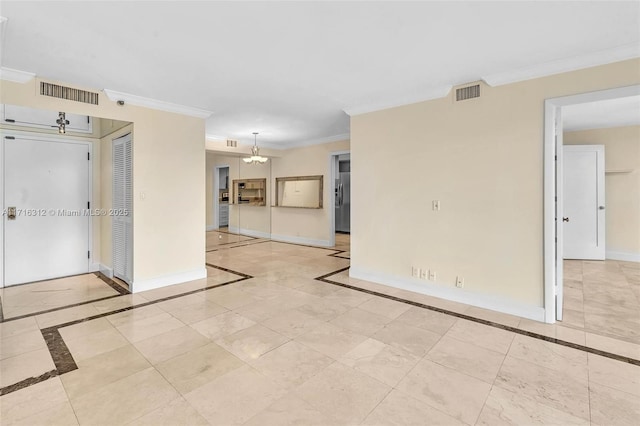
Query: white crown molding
[621, 53]
[319, 141]
[156, 104]
[16, 76]
[436, 93]
[211, 137]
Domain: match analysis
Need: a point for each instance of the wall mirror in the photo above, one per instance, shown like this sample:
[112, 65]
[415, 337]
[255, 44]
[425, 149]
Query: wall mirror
[299, 191]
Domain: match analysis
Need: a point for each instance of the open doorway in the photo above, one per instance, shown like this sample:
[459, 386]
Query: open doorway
[341, 199]
[585, 127]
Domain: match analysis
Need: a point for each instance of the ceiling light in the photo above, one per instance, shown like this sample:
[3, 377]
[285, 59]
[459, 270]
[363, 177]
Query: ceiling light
[62, 123]
[255, 153]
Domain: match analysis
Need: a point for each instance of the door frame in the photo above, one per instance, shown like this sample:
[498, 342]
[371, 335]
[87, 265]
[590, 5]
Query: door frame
[552, 200]
[216, 192]
[333, 155]
[55, 139]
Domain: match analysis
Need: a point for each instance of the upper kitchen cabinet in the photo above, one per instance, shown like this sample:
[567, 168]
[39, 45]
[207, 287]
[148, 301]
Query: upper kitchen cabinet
[250, 191]
[43, 119]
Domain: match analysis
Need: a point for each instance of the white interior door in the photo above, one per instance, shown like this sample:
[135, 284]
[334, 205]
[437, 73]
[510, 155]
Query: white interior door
[122, 220]
[43, 179]
[583, 219]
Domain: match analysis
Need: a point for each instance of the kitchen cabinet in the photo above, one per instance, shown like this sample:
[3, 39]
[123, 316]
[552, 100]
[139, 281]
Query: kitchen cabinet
[250, 191]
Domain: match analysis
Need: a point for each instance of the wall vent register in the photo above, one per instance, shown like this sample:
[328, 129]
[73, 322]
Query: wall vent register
[468, 92]
[69, 93]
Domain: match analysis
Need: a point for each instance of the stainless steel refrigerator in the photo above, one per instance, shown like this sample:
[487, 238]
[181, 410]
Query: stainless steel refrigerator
[343, 196]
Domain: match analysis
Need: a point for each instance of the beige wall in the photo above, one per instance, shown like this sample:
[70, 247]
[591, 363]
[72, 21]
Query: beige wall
[168, 167]
[622, 184]
[307, 226]
[483, 159]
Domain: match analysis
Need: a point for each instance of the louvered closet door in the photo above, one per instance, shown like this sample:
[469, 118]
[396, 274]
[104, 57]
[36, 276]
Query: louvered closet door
[122, 219]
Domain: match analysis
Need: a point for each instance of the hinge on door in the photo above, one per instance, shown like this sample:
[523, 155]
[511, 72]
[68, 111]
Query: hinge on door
[555, 157]
[88, 119]
[88, 204]
[556, 198]
[88, 255]
[9, 120]
[89, 156]
[10, 137]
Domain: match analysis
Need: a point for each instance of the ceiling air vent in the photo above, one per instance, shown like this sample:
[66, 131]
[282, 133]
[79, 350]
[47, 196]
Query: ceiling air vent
[232, 143]
[468, 92]
[69, 93]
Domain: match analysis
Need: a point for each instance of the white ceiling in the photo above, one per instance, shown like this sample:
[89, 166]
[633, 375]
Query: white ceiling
[597, 115]
[289, 70]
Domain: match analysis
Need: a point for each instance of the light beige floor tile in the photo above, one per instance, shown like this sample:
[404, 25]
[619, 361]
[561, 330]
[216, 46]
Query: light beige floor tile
[102, 370]
[66, 315]
[614, 374]
[386, 307]
[124, 400]
[197, 312]
[229, 297]
[149, 327]
[467, 358]
[318, 288]
[386, 363]
[134, 315]
[172, 343]
[24, 366]
[252, 342]
[181, 302]
[344, 394]
[222, 325]
[234, 397]
[61, 414]
[361, 321]
[331, 340]
[121, 302]
[85, 328]
[550, 387]
[613, 407]
[195, 368]
[30, 401]
[427, 319]
[481, 335]
[550, 355]
[290, 410]
[291, 364]
[178, 412]
[292, 323]
[615, 346]
[553, 330]
[13, 328]
[444, 389]
[415, 340]
[402, 410]
[325, 310]
[347, 297]
[262, 310]
[508, 408]
[493, 316]
[21, 343]
[88, 346]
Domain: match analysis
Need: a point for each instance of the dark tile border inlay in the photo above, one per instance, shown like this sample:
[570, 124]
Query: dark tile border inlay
[117, 287]
[560, 342]
[59, 351]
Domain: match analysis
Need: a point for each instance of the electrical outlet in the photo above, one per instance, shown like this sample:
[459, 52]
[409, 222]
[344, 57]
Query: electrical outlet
[415, 272]
[424, 272]
[432, 275]
[459, 281]
[435, 205]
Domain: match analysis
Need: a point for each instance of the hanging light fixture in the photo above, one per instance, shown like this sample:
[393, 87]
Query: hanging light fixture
[255, 153]
[62, 122]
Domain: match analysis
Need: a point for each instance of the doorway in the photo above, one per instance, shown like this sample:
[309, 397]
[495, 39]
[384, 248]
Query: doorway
[340, 195]
[47, 190]
[554, 209]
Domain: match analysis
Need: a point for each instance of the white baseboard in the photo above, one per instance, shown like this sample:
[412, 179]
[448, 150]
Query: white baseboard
[252, 233]
[108, 272]
[166, 280]
[94, 267]
[494, 303]
[620, 255]
[211, 228]
[301, 240]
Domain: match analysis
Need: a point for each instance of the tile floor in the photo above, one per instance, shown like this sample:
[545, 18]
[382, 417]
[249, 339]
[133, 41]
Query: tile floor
[262, 342]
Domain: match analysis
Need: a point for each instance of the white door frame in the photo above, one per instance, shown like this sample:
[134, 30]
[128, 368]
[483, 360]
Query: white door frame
[46, 138]
[552, 245]
[332, 199]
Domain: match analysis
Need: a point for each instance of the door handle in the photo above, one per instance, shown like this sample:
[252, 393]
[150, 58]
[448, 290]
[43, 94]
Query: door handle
[601, 208]
[11, 213]
[565, 219]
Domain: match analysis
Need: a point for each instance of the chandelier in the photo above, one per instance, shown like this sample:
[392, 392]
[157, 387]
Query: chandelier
[255, 153]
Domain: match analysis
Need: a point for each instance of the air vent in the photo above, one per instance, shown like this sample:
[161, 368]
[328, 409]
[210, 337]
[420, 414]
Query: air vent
[468, 92]
[69, 93]
[232, 143]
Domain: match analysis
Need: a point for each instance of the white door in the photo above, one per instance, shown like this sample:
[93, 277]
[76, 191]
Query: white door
[122, 219]
[47, 183]
[583, 218]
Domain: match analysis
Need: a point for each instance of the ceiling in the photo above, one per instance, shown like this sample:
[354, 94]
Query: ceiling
[597, 115]
[290, 70]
